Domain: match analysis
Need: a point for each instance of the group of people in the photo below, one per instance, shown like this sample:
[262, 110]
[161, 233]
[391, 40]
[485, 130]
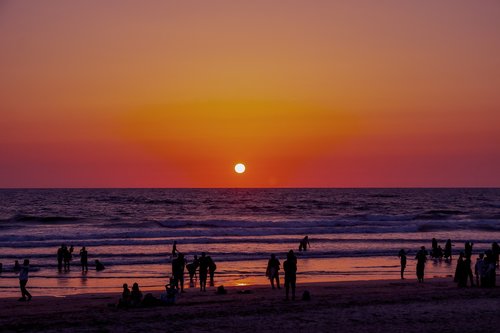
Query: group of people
[134, 298]
[65, 256]
[484, 268]
[205, 266]
[290, 268]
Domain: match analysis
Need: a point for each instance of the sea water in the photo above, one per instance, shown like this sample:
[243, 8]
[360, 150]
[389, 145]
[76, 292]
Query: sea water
[355, 234]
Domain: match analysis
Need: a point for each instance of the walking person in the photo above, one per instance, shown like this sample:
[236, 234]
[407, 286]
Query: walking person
[272, 271]
[23, 281]
[84, 259]
[290, 267]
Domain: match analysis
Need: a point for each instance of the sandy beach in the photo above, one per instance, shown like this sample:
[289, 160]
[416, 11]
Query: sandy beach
[370, 306]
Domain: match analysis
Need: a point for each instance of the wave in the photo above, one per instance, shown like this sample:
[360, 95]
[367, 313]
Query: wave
[41, 219]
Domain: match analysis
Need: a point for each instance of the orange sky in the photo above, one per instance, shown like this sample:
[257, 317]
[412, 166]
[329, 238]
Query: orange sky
[306, 94]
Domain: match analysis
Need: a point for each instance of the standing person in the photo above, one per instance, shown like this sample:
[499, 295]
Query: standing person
[84, 259]
[203, 262]
[468, 261]
[290, 267]
[272, 271]
[304, 243]
[211, 269]
[421, 259]
[402, 255]
[192, 267]
[477, 268]
[23, 280]
[66, 257]
[135, 295]
[60, 257]
[447, 249]
[461, 271]
[434, 248]
[178, 265]
[174, 250]
[495, 249]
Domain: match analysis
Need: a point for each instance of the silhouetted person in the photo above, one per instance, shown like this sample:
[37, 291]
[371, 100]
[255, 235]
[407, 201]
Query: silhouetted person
[1, 267]
[23, 280]
[66, 258]
[203, 272]
[434, 248]
[402, 256]
[84, 259]
[135, 295]
[174, 250]
[124, 301]
[71, 250]
[99, 266]
[461, 271]
[60, 257]
[304, 243]
[477, 268]
[178, 265]
[421, 259]
[211, 270]
[468, 261]
[169, 296]
[272, 271]
[489, 280]
[17, 267]
[495, 249]
[447, 249]
[192, 267]
[290, 267]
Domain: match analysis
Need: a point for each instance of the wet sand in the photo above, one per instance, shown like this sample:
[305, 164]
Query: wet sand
[361, 306]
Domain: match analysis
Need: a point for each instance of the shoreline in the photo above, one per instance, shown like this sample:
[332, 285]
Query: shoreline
[380, 305]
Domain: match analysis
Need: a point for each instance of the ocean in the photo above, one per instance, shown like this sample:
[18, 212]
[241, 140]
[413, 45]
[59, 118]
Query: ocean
[355, 234]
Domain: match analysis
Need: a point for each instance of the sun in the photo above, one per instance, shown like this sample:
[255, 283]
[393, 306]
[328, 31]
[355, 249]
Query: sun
[239, 168]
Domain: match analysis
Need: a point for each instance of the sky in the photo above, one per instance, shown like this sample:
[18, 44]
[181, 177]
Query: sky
[304, 93]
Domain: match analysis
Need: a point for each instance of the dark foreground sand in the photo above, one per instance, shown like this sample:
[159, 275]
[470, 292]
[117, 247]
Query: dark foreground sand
[374, 306]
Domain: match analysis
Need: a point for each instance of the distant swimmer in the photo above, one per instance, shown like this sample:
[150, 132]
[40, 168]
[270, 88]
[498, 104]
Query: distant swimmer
[304, 243]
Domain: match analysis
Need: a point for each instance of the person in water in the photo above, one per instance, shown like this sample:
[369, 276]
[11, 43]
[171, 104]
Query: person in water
[290, 267]
[272, 271]
[84, 259]
[98, 265]
[402, 256]
[60, 257]
[211, 270]
[23, 281]
[447, 250]
[192, 267]
[304, 243]
[421, 259]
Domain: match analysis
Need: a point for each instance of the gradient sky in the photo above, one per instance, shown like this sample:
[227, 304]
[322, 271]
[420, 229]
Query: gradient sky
[305, 93]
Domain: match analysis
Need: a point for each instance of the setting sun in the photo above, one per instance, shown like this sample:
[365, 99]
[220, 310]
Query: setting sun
[239, 168]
